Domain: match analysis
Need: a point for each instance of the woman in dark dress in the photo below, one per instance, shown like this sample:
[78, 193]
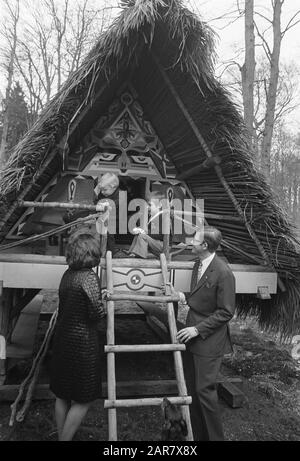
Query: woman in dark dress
[76, 369]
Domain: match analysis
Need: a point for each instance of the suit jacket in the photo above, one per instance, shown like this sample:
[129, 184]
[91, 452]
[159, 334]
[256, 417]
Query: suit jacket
[212, 305]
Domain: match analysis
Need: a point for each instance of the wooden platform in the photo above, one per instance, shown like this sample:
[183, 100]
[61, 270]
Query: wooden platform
[131, 389]
[46, 316]
[45, 272]
[23, 336]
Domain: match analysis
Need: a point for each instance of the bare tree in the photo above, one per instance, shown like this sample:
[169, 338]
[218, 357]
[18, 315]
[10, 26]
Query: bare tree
[273, 56]
[60, 26]
[82, 25]
[286, 99]
[10, 33]
[285, 171]
[248, 68]
[266, 87]
[55, 39]
[28, 67]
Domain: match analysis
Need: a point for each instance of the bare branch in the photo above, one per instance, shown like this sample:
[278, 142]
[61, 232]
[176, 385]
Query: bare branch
[264, 17]
[291, 24]
[264, 41]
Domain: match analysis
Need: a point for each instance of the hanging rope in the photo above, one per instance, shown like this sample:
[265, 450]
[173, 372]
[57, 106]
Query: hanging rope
[57, 230]
[32, 376]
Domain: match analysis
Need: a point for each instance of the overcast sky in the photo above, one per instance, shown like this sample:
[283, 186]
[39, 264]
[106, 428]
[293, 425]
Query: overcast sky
[231, 32]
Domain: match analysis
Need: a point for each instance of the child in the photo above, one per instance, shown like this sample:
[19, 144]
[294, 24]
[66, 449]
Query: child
[108, 189]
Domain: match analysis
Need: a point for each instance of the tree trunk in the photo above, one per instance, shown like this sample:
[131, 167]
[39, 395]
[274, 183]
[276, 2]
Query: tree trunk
[272, 89]
[295, 192]
[3, 152]
[248, 69]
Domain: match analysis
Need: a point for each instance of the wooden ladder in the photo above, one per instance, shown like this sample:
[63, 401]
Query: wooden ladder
[112, 403]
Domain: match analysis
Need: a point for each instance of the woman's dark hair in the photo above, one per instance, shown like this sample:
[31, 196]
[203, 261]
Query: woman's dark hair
[83, 251]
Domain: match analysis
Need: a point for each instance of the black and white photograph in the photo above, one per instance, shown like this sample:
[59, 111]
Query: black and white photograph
[149, 223]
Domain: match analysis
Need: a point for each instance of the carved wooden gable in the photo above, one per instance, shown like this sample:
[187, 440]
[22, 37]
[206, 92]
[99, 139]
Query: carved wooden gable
[124, 142]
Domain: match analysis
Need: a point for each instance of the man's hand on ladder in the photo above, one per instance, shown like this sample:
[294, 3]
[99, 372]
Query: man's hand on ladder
[186, 334]
[168, 289]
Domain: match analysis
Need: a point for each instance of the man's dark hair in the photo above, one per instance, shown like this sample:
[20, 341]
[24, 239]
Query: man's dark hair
[212, 237]
[83, 251]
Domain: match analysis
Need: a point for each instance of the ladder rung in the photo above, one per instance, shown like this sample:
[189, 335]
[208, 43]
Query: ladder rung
[156, 401]
[145, 348]
[134, 297]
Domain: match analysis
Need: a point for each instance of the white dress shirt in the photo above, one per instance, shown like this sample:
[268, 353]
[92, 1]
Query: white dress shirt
[205, 263]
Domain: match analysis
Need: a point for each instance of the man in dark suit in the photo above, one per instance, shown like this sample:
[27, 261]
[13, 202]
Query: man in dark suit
[211, 304]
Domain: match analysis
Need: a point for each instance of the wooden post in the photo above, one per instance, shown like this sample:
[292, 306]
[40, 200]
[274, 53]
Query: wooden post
[166, 246]
[4, 309]
[61, 244]
[111, 372]
[4, 325]
[102, 229]
[103, 244]
[177, 354]
[166, 225]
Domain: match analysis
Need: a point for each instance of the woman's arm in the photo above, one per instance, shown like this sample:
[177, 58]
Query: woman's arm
[92, 289]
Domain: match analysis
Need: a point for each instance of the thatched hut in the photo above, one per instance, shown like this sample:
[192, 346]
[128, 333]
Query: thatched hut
[161, 57]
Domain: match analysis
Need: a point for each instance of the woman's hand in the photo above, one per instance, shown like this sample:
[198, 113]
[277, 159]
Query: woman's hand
[106, 294]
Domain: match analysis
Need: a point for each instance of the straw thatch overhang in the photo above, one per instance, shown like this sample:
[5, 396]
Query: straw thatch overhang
[167, 55]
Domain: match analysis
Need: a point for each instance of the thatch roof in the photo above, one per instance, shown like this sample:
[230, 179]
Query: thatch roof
[167, 53]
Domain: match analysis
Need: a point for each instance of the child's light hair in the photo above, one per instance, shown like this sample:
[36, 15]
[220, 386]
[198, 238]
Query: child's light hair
[108, 179]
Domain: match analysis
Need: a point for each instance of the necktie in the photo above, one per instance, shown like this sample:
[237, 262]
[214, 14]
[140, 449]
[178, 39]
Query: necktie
[196, 273]
[199, 271]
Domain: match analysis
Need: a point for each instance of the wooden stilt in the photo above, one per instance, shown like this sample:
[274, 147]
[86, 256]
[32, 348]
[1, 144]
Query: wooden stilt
[4, 327]
[21, 299]
[166, 246]
[2, 359]
[4, 309]
[111, 373]
[166, 236]
[102, 228]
